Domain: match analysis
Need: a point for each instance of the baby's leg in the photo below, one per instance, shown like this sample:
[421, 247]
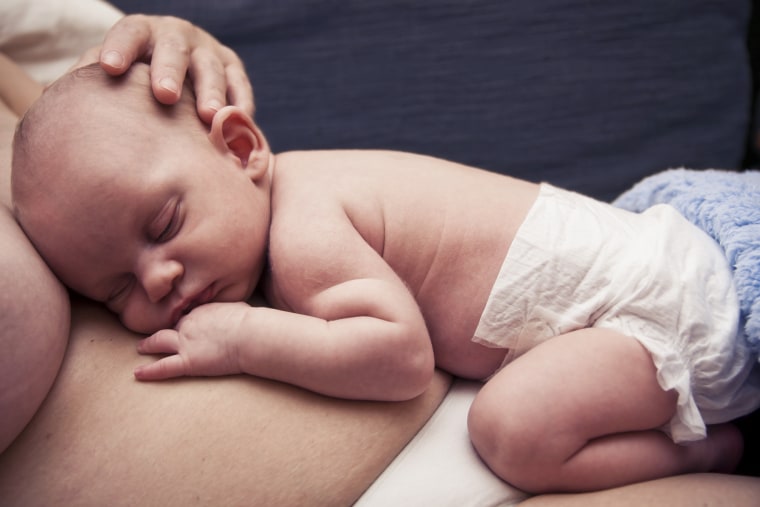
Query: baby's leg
[580, 412]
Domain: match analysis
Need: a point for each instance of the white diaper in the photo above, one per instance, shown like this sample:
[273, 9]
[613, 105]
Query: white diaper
[576, 263]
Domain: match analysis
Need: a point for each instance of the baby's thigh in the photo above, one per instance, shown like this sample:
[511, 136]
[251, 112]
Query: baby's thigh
[576, 386]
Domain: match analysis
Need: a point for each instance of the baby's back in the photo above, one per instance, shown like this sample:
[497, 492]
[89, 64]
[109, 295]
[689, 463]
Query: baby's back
[442, 227]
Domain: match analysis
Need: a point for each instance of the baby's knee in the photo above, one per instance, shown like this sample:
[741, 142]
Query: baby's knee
[509, 444]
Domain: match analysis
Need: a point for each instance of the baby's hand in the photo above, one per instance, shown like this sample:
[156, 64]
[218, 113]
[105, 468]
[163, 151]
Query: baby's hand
[203, 343]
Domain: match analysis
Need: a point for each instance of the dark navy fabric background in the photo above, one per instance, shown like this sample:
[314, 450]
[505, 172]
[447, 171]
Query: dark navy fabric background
[590, 95]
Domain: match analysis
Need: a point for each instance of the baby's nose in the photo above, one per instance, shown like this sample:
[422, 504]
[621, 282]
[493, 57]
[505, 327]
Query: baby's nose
[159, 277]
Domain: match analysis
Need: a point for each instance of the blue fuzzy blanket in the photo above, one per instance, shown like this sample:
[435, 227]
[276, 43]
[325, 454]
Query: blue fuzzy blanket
[726, 205]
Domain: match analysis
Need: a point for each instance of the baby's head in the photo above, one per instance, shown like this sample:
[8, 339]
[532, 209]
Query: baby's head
[141, 205]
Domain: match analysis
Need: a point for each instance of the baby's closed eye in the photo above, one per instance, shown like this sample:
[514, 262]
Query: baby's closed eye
[167, 223]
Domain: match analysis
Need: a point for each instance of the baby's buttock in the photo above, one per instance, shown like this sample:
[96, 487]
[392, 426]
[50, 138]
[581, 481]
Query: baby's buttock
[577, 263]
[451, 325]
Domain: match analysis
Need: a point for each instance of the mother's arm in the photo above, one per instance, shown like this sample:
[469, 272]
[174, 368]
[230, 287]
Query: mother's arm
[34, 307]
[17, 91]
[678, 491]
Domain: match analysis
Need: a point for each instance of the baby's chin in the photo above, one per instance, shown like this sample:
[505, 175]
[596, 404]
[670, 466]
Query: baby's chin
[242, 290]
[147, 328]
[237, 293]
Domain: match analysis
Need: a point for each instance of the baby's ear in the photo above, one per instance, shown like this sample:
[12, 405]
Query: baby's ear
[233, 132]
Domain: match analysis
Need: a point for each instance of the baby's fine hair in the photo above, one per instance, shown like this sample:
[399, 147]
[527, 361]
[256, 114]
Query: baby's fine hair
[133, 88]
[71, 106]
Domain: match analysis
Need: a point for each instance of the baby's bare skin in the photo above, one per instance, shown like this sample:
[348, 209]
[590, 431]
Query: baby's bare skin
[442, 227]
[383, 261]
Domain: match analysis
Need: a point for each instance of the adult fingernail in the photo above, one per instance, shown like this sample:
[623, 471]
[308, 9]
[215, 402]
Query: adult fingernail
[113, 59]
[214, 105]
[170, 84]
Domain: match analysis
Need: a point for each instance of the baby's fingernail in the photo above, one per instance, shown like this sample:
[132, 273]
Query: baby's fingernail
[113, 59]
[170, 84]
[214, 105]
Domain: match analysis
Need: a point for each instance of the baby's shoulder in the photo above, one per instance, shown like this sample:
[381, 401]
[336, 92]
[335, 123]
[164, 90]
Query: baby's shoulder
[308, 210]
[324, 194]
[324, 218]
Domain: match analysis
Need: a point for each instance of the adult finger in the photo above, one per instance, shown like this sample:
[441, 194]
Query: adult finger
[239, 89]
[174, 41]
[128, 40]
[210, 83]
[219, 78]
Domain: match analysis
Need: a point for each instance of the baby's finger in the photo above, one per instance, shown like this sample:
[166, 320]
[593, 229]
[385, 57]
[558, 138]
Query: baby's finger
[165, 341]
[164, 368]
[128, 40]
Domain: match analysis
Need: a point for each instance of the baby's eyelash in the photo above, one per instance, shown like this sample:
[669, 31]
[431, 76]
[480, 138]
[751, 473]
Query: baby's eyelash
[164, 235]
[171, 226]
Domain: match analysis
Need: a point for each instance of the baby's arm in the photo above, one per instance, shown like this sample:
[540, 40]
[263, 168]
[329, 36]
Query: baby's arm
[355, 331]
[370, 342]
[368, 347]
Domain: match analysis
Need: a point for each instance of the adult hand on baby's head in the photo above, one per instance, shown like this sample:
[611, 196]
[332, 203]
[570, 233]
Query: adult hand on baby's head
[203, 343]
[175, 48]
